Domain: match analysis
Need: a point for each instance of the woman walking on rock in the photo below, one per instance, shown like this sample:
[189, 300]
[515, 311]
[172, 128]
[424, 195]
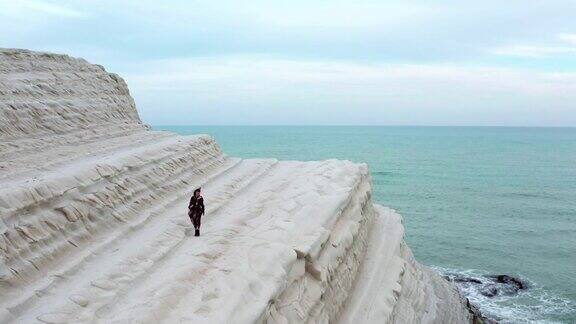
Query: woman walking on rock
[196, 210]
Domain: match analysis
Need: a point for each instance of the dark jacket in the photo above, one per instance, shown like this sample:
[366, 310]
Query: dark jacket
[196, 206]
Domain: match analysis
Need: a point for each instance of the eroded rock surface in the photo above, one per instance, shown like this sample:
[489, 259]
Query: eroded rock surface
[93, 210]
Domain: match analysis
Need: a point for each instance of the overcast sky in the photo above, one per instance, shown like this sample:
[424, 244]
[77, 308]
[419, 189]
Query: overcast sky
[396, 62]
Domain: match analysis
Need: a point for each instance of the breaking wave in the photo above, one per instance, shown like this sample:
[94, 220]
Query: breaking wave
[510, 301]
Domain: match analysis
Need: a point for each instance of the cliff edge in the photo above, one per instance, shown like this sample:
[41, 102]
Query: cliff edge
[94, 226]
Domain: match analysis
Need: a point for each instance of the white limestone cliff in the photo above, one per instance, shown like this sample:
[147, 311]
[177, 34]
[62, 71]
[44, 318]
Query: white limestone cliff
[93, 220]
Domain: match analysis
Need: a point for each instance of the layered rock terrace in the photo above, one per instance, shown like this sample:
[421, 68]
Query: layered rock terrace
[94, 226]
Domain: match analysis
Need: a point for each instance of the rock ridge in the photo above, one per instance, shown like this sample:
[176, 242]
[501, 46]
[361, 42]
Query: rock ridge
[94, 226]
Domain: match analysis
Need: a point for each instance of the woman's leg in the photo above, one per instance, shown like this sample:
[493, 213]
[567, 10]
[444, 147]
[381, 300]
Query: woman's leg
[196, 222]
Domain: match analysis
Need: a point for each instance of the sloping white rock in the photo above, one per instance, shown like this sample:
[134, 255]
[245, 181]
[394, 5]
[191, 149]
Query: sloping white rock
[93, 220]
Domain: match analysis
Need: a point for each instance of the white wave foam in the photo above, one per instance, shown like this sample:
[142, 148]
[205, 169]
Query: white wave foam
[534, 305]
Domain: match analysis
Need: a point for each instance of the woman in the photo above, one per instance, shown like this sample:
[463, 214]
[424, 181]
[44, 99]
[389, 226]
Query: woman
[196, 210]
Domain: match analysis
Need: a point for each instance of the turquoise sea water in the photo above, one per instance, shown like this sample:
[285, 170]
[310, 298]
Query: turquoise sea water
[475, 200]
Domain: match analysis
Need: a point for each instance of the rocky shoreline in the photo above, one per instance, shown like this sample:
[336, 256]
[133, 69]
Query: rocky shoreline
[489, 286]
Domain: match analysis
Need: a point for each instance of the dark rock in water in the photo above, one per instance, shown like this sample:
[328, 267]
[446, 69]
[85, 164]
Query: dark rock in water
[489, 291]
[490, 285]
[502, 285]
[505, 279]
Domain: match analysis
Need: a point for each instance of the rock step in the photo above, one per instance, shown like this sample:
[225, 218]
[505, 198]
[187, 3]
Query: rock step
[60, 213]
[376, 291]
[248, 264]
[246, 257]
[26, 161]
[331, 255]
[85, 139]
[165, 225]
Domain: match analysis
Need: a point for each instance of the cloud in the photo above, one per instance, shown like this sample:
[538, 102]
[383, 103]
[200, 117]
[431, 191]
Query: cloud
[534, 51]
[364, 61]
[31, 7]
[31, 23]
[363, 30]
[568, 38]
[260, 90]
[564, 46]
[179, 73]
[339, 14]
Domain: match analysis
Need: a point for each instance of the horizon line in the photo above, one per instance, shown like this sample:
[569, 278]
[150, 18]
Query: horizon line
[357, 125]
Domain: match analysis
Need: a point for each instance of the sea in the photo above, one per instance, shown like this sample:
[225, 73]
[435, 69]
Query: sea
[477, 201]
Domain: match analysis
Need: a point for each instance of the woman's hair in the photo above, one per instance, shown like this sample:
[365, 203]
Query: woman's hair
[197, 190]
